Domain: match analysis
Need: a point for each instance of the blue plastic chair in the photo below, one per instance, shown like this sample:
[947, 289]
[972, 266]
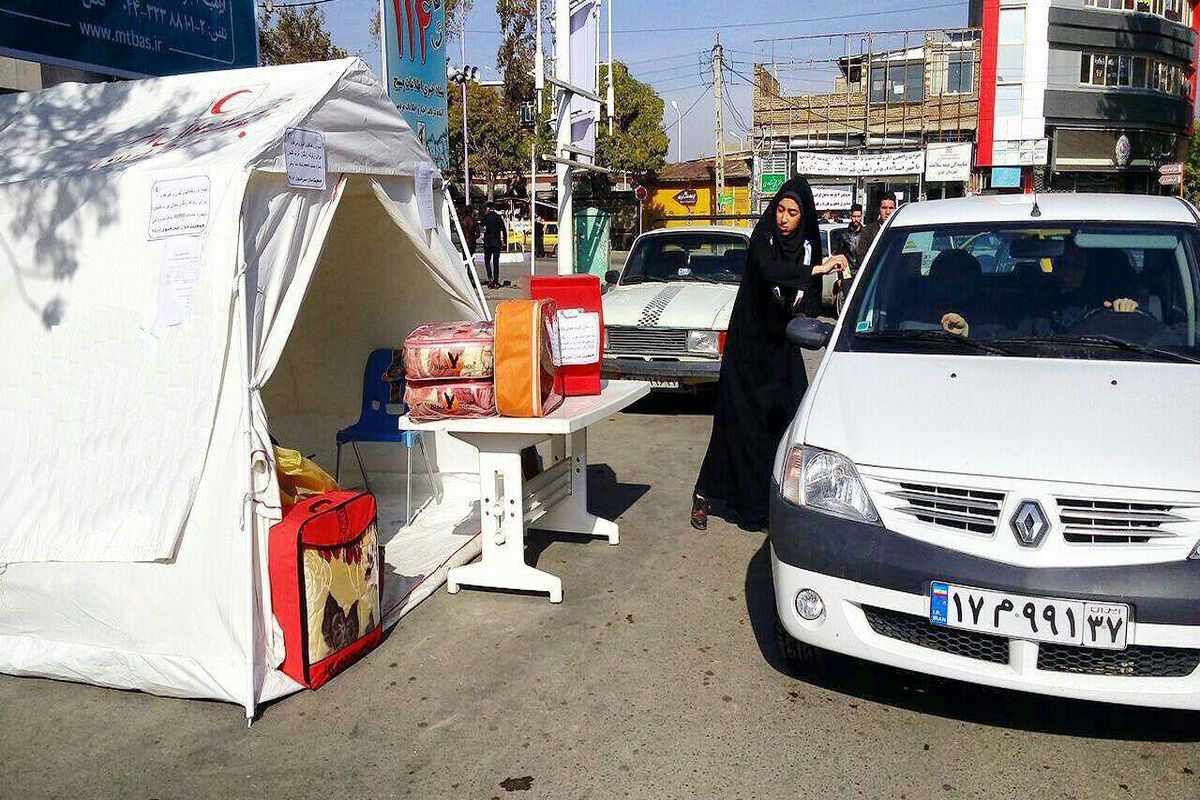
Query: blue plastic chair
[376, 424]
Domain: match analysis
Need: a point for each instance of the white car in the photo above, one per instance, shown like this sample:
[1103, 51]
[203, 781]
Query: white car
[667, 311]
[995, 474]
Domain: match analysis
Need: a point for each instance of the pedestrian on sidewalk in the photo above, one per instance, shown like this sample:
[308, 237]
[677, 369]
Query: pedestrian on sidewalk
[762, 373]
[495, 234]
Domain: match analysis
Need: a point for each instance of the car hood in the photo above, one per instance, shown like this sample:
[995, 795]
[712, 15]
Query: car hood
[1110, 423]
[678, 304]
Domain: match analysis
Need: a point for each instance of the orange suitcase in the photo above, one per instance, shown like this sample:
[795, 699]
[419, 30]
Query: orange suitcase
[528, 381]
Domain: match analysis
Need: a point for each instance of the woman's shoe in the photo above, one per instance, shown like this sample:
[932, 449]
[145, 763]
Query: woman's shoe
[700, 508]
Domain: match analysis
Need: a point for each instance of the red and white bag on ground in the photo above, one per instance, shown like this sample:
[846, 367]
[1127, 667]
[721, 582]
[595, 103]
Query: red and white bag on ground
[324, 563]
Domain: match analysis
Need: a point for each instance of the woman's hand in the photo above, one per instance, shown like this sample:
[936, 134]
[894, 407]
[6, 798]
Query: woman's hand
[837, 263]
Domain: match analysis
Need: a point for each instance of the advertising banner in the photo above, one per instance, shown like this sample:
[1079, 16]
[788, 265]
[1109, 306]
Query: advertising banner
[131, 38]
[948, 162]
[585, 113]
[414, 63]
[905, 162]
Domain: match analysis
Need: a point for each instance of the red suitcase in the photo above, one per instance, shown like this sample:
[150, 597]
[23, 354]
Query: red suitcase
[580, 320]
[324, 564]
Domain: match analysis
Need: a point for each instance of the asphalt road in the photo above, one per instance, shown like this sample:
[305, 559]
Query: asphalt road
[656, 678]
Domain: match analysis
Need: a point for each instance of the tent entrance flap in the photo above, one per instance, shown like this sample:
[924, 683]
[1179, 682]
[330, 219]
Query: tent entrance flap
[379, 276]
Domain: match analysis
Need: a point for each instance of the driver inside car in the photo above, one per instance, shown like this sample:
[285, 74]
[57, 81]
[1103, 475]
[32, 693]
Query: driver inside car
[1081, 289]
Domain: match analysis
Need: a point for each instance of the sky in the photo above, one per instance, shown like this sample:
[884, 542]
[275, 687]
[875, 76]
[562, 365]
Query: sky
[665, 42]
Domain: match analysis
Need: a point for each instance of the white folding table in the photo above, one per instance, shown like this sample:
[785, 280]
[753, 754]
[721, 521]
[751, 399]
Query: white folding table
[556, 499]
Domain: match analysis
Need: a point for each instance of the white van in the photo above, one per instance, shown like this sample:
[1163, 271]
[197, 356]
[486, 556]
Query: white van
[995, 474]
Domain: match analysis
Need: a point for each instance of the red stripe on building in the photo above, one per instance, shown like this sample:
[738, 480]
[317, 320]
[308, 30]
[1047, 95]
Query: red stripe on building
[987, 82]
[1195, 56]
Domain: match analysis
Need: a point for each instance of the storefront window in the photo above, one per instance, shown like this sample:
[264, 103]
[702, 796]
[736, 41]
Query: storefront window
[1173, 10]
[1138, 72]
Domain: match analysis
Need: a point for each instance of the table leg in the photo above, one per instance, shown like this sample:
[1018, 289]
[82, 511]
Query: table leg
[571, 514]
[502, 514]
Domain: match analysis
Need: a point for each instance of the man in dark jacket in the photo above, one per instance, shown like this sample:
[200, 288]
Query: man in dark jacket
[887, 206]
[470, 229]
[495, 234]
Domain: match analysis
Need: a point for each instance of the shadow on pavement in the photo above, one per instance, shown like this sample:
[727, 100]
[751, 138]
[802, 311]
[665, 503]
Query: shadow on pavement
[955, 700]
[703, 401]
[607, 498]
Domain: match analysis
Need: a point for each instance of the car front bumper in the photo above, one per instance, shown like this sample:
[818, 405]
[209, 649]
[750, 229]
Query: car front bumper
[684, 372]
[875, 587]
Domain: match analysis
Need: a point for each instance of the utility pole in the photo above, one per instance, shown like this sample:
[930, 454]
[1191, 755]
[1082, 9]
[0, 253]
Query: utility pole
[565, 250]
[611, 94]
[718, 55]
[462, 43]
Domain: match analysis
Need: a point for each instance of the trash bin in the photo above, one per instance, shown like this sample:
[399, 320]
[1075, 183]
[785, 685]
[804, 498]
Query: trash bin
[591, 241]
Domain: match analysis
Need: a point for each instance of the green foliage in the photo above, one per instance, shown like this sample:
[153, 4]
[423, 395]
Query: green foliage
[638, 143]
[1191, 169]
[495, 141]
[516, 52]
[290, 36]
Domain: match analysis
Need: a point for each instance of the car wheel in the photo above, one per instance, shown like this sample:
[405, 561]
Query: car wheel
[799, 656]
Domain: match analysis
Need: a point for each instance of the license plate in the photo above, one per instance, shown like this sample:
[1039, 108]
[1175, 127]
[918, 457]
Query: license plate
[658, 383]
[1082, 623]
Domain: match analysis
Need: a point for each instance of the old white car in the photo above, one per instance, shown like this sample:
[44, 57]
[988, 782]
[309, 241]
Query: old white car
[667, 311]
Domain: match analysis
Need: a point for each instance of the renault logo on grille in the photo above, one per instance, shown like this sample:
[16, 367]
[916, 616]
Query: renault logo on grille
[1029, 523]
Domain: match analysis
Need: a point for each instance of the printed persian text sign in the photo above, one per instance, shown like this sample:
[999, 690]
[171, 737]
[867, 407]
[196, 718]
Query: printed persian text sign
[179, 207]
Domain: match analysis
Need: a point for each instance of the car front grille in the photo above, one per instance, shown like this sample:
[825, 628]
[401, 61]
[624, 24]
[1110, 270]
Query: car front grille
[1134, 661]
[1086, 521]
[919, 631]
[974, 510]
[628, 340]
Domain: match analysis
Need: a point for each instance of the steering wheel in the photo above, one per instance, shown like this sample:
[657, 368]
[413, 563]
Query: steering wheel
[1136, 325]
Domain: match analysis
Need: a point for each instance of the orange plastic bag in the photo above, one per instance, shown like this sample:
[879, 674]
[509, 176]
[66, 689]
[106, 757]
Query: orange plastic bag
[300, 477]
[528, 381]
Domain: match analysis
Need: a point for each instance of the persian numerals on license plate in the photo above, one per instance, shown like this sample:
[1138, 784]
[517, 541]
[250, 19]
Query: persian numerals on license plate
[1082, 623]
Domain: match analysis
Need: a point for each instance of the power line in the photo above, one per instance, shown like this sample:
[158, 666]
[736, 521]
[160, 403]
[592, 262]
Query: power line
[777, 22]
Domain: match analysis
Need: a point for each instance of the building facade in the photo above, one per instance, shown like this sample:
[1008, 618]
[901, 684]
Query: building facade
[899, 114]
[1084, 95]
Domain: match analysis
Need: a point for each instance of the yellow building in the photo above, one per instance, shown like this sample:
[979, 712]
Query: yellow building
[684, 194]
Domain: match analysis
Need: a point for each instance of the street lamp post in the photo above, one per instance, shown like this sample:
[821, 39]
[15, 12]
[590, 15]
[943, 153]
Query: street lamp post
[678, 132]
[462, 43]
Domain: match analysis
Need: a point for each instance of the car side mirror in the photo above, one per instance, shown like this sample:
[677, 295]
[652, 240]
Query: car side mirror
[612, 276]
[809, 333]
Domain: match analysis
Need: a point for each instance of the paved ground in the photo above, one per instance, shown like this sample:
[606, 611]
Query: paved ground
[656, 678]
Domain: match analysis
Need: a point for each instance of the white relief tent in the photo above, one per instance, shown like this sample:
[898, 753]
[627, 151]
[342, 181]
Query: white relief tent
[169, 303]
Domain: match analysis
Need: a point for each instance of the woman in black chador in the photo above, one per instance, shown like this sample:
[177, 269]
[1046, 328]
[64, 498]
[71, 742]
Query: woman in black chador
[762, 373]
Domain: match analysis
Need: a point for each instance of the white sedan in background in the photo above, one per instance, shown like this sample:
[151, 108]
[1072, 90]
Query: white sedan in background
[667, 311]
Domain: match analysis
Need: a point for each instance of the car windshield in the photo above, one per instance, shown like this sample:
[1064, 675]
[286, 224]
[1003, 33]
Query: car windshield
[691, 256]
[1055, 290]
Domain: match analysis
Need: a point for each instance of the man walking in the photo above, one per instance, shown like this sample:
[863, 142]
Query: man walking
[494, 236]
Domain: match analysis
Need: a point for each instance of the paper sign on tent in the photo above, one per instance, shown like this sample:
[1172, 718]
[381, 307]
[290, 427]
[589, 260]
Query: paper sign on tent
[304, 158]
[177, 275]
[424, 178]
[179, 207]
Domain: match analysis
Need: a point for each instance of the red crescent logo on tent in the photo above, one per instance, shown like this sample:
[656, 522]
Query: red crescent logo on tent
[219, 106]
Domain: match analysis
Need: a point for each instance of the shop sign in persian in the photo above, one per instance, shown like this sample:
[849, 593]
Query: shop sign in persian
[948, 162]
[900, 162]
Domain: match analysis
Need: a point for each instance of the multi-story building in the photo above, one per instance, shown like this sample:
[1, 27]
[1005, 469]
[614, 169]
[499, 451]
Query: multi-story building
[899, 108]
[1079, 95]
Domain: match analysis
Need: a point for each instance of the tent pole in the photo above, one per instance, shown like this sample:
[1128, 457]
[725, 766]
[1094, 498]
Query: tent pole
[242, 333]
[468, 260]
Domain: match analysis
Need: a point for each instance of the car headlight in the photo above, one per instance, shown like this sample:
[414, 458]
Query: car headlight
[703, 343]
[828, 482]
